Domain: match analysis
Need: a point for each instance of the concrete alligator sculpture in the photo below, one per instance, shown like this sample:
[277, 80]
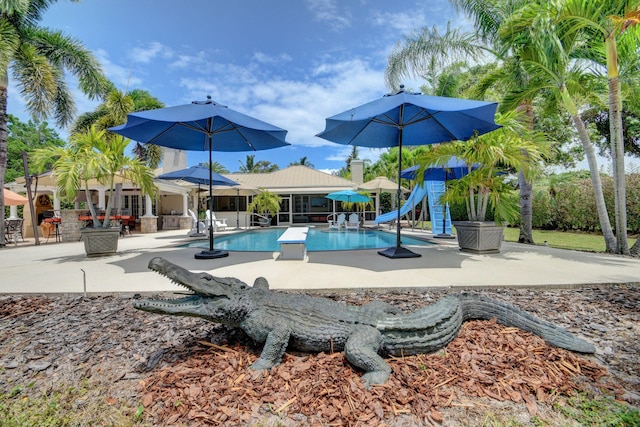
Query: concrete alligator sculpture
[312, 324]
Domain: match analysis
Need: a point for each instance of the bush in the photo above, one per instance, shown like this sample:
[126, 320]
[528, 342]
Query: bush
[570, 205]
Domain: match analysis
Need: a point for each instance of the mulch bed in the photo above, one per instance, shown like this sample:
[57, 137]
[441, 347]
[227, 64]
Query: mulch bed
[215, 386]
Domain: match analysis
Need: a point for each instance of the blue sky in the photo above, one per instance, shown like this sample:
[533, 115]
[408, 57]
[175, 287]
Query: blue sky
[291, 63]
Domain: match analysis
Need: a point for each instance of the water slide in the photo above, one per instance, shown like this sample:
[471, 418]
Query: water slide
[416, 196]
[432, 190]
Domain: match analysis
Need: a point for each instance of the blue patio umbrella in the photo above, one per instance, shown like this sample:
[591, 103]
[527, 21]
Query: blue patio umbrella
[348, 196]
[199, 174]
[202, 126]
[454, 168]
[405, 118]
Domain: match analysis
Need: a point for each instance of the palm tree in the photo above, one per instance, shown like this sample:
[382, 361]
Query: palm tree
[429, 52]
[602, 23]
[511, 147]
[217, 167]
[39, 57]
[94, 155]
[262, 166]
[114, 111]
[265, 203]
[553, 70]
[304, 161]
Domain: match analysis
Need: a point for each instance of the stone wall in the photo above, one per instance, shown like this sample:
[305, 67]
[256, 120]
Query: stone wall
[149, 224]
[70, 226]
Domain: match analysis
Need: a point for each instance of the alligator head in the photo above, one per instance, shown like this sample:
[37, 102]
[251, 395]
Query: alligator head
[213, 298]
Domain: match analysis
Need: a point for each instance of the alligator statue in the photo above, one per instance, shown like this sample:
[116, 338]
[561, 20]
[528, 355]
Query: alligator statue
[312, 324]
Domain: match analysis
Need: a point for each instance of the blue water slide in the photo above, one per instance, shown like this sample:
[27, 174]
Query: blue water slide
[416, 196]
[440, 218]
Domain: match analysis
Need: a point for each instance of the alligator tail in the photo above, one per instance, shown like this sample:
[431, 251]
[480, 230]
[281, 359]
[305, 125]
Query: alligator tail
[479, 307]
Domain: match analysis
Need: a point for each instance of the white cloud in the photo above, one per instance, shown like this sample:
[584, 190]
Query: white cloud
[121, 76]
[151, 50]
[327, 11]
[263, 58]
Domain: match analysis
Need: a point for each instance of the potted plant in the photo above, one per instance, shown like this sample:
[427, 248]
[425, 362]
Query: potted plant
[95, 155]
[265, 204]
[485, 188]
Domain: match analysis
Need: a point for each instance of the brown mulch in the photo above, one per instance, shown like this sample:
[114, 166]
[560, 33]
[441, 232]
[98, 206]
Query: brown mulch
[198, 371]
[215, 386]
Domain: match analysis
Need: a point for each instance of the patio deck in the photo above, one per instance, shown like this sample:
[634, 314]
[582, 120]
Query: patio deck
[64, 268]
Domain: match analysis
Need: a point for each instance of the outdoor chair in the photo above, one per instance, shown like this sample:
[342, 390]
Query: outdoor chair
[337, 223]
[212, 221]
[13, 229]
[353, 223]
[196, 224]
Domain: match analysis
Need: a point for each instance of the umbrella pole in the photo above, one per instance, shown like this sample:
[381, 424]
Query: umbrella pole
[399, 251]
[211, 253]
[198, 210]
[237, 209]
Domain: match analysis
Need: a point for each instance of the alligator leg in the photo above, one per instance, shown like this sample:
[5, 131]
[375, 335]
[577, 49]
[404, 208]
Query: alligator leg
[274, 346]
[361, 350]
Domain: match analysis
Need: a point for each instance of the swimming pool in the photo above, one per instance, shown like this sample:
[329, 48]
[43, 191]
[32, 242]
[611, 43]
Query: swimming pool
[266, 240]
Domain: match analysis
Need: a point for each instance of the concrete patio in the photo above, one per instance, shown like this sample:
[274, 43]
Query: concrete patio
[64, 268]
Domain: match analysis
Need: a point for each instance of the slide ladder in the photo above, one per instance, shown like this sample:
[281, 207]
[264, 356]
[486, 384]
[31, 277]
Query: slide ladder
[435, 189]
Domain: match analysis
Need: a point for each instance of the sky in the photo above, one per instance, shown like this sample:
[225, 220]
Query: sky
[291, 63]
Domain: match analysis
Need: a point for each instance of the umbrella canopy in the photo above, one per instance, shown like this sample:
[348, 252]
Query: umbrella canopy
[453, 169]
[198, 175]
[381, 184]
[410, 119]
[14, 199]
[348, 196]
[202, 126]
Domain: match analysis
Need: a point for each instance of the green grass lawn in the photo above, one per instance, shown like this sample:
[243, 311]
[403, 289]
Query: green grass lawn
[557, 239]
[563, 239]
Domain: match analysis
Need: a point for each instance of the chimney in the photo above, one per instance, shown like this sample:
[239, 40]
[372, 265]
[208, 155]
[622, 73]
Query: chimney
[357, 171]
[173, 160]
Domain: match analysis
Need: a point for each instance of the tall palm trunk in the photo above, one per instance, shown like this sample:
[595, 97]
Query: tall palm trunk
[617, 154]
[3, 154]
[587, 146]
[526, 188]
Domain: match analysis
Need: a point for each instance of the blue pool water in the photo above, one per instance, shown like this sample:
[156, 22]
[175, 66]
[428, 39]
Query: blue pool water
[266, 240]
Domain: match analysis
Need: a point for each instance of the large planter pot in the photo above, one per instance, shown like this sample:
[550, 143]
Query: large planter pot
[100, 241]
[479, 237]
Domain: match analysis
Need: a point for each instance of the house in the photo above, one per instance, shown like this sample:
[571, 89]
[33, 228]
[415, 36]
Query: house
[301, 188]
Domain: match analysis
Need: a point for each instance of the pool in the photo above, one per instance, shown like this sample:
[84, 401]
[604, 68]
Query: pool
[265, 240]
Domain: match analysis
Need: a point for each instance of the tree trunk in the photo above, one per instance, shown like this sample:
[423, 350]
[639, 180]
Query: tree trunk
[526, 210]
[526, 189]
[587, 146]
[601, 207]
[617, 153]
[3, 155]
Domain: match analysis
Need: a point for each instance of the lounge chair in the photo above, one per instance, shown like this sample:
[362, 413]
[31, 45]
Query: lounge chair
[353, 223]
[218, 225]
[337, 223]
[197, 226]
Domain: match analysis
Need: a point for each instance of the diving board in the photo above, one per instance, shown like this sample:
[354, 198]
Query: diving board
[293, 243]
